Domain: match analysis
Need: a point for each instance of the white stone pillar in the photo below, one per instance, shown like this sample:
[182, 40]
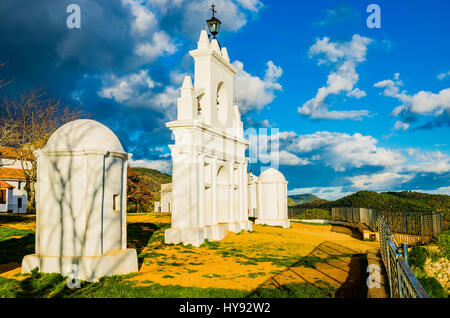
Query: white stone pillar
[201, 191]
[194, 191]
[244, 181]
[214, 191]
[123, 208]
[231, 218]
[241, 192]
[180, 190]
[37, 194]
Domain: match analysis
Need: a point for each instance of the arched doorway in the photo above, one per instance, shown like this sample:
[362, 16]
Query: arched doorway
[223, 195]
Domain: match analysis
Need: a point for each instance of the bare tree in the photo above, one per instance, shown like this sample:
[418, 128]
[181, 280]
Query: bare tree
[6, 131]
[28, 124]
[2, 81]
[6, 125]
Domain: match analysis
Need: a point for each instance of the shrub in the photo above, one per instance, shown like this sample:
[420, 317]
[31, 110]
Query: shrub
[418, 257]
[433, 288]
[443, 241]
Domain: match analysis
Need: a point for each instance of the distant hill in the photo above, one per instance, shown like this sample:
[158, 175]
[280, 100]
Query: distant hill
[407, 201]
[301, 198]
[155, 178]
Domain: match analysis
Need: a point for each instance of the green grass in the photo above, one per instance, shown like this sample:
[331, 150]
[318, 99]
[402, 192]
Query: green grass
[54, 286]
[303, 290]
[7, 233]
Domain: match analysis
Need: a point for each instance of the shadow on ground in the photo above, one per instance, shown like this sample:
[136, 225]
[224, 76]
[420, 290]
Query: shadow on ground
[6, 219]
[330, 270]
[347, 230]
[139, 235]
[13, 250]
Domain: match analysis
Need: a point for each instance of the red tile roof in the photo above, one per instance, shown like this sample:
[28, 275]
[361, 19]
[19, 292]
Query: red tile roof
[12, 153]
[12, 173]
[8, 152]
[5, 185]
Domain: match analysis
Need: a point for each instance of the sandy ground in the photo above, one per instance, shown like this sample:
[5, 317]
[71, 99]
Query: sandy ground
[250, 260]
[268, 256]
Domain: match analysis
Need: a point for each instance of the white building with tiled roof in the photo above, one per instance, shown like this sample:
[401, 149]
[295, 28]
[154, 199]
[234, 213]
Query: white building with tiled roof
[13, 197]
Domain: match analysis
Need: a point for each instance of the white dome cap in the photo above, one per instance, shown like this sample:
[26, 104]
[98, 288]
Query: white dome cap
[271, 175]
[84, 134]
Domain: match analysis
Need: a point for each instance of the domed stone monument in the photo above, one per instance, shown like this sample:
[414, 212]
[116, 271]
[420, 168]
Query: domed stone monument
[81, 204]
[272, 199]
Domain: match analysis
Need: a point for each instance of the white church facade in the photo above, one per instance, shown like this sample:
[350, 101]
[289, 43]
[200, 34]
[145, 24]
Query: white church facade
[212, 192]
[209, 177]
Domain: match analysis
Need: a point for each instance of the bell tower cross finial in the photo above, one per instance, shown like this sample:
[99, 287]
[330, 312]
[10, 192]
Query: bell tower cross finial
[213, 10]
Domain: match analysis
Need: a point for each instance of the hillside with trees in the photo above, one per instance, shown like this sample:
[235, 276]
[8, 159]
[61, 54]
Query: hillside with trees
[143, 188]
[301, 198]
[406, 201]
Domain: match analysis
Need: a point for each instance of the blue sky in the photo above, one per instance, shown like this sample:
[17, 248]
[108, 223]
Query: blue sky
[356, 108]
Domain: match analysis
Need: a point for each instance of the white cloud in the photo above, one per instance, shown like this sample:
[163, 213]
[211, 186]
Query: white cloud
[252, 92]
[289, 159]
[137, 90]
[145, 19]
[252, 5]
[161, 45]
[164, 166]
[383, 181]
[441, 190]
[357, 93]
[345, 56]
[427, 102]
[125, 88]
[355, 50]
[342, 151]
[166, 101]
[399, 125]
[177, 77]
[422, 103]
[428, 161]
[443, 75]
[419, 162]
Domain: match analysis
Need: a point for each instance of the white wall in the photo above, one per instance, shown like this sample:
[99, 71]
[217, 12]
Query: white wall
[13, 196]
[12, 163]
[166, 201]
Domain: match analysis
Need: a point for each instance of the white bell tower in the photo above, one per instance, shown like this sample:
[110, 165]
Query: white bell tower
[209, 177]
[210, 99]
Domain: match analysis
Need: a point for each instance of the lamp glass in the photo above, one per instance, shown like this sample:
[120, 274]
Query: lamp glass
[214, 26]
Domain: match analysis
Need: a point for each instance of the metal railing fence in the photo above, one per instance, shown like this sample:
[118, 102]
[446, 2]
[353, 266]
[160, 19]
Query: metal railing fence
[402, 282]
